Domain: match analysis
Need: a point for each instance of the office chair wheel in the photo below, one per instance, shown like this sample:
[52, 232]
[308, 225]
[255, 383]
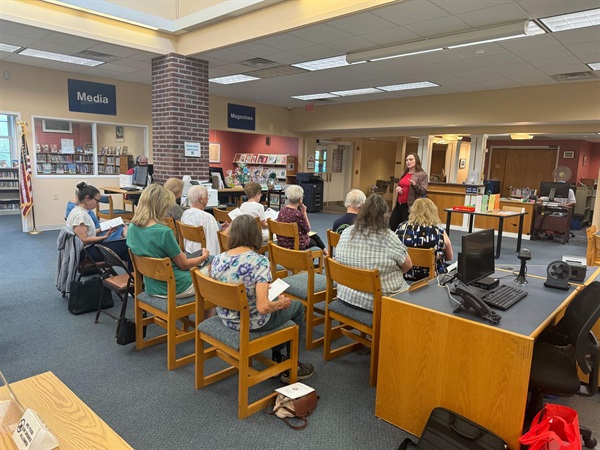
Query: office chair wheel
[590, 443]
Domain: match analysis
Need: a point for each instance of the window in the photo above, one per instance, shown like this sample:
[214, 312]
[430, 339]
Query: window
[8, 157]
[321, 160]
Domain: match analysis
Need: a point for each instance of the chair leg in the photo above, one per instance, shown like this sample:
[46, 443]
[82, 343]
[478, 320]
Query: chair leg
[122, 313]
[243, 387]
[99, 310]
[171, 344]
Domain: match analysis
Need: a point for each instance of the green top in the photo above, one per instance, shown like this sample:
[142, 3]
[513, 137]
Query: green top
[158, 241]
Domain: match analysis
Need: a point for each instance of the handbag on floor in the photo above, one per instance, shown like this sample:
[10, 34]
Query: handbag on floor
[554, 427]
[446, 430]
[84, 296]
[126, 333]
[301, 407]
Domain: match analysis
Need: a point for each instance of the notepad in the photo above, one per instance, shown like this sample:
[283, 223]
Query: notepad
[277, 287]
[295, 390]
[112, 223]
[271, 214]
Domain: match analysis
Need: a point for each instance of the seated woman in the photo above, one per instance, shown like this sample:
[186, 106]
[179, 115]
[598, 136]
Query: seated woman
[175, 185]
[119, 233]
[422, 230]
[295, 211]
[370, 244]
[242, 264]
[149, 236]
[253, 208]
[83, 226]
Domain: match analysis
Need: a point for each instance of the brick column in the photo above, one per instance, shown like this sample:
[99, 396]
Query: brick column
[179, 114]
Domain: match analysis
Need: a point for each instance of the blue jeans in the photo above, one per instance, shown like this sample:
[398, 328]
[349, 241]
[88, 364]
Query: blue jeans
[295, 313]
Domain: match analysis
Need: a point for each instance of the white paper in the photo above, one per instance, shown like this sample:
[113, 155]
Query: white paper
[32, 433]
[234, 213]
[271, 214]
[67, 146]
[295, 390]
[277, 287]
[112, 223]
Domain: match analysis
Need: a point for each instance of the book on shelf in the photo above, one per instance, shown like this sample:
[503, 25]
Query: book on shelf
[272, 159]
[254, 159]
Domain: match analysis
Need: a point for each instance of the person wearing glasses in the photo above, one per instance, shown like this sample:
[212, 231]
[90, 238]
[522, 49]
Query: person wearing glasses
[83, 226]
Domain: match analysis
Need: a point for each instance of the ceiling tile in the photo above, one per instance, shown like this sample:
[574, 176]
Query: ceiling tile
[285, 42]
[316, 52]
[540, 9]
[115, 50]
[321, 34]
[438, 27]
[25, 31]
[361, 24]
[350, 44]
[506, 12]
[404, 13]
[391, 36]
[589, 34]
[461, 6]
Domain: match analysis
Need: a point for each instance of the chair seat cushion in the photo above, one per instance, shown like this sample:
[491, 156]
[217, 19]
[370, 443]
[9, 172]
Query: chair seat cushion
[299, 284]
[115, 211]
[161, 302]
[118, 282]
[360, 315]
[553, 371]
[215, 328]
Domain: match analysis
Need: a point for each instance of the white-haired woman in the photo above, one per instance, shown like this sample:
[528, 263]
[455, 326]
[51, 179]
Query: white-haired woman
[295, 211]
[354, 200]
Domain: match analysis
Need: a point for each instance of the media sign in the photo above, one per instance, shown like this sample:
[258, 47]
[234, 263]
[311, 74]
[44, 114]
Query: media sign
[93, 98]
[241, 117]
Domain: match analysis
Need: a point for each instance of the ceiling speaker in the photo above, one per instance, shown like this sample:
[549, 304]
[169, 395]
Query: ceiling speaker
[557, 275]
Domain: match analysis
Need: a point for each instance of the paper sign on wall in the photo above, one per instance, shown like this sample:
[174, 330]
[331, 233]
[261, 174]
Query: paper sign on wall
[192, 149]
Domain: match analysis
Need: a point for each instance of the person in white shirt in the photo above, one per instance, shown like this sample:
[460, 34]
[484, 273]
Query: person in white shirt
[253, 207]
[198, 199]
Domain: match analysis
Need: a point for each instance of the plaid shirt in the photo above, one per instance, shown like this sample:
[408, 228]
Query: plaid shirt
[383, 251]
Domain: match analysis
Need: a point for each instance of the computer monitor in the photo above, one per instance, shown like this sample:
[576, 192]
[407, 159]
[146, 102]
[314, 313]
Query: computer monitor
[140, 176]
[216, 170]
[553, 189]
[476, 259]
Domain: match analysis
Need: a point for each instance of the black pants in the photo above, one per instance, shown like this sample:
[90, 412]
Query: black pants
[399, 215]
[315, 241]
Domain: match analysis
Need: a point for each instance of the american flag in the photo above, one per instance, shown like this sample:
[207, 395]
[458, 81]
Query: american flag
[25, 180]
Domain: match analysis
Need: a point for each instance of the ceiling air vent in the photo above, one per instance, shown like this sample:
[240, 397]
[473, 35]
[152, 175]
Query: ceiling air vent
[259, 63]
[576, 76]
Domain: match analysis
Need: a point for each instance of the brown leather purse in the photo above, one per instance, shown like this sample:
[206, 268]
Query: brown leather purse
[302, 407]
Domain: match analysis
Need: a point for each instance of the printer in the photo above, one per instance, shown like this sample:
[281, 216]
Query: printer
[308, 177]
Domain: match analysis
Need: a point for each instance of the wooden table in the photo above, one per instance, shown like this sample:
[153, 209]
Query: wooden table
[500, 215]
[233, 195]
[73, 423]
[429, 357]
[118, 190]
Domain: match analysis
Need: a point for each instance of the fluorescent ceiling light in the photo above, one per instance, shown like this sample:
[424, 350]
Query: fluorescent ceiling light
[314, 96]
[481, 34]
[231, 79]
[327, 63]
[594, 66]
[407, 86]
[9, 47]
[362, 91]
[533, 29]
[521, 136]
[60, 57]
[572, 21]
[408, 54]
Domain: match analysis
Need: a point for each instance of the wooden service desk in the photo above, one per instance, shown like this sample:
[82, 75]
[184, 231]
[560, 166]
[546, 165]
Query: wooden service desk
[447, 195]
[430, 357]
[73, 423]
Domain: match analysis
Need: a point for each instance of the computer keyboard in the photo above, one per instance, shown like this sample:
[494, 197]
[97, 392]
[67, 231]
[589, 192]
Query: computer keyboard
[503, 297]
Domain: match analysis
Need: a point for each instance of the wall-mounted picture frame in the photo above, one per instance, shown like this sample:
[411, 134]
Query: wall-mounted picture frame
[214, 153]
[462, 163]
[569, 154]
[57, 126]
[119, 133]
[584, 162]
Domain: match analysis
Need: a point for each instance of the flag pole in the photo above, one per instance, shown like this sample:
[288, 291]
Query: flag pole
[26, 193]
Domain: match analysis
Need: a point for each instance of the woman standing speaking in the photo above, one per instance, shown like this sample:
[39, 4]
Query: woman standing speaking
[412, 185]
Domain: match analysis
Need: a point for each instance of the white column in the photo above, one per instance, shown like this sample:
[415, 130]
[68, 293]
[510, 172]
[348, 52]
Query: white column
[424, 151]
[451, 165]
[477, 155]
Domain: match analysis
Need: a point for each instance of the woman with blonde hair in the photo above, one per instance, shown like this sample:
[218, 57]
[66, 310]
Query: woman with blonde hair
[175, 185]
[422, 230]
[149, 236]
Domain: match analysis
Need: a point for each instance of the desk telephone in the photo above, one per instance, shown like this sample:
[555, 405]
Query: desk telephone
[471, 301]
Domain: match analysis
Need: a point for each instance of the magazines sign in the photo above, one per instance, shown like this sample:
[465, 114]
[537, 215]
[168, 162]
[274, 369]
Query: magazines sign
[241, 117]
[93, 98]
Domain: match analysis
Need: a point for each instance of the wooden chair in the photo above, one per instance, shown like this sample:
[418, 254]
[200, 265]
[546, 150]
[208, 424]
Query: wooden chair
[221, 215]
[355, 323]
[223, 241]
[191, 233]
[238, 348]
[332, 241]
[111, 212]
[593, 247]
[291, 230]
[121, 284]
[305, 285]
[164, 312]
[423, 257]
[170, 222]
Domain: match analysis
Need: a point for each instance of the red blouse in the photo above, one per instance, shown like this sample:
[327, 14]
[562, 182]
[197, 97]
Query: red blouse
[404, 183]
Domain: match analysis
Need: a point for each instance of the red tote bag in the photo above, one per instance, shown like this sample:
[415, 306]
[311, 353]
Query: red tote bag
[554, 427]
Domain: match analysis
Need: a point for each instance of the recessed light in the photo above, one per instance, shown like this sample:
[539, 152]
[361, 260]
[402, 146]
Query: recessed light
[60, 57]
[327, 63]
[572, 21]
[594, 66]
[407, 86]
[314, 96]
[9, 47]
[231, 79]
[361, 91]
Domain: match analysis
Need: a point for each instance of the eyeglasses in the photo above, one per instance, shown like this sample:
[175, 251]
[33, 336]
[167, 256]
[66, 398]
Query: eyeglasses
[97, 199]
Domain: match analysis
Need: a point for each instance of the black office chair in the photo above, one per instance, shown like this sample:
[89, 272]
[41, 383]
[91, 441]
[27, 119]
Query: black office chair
[560, 349]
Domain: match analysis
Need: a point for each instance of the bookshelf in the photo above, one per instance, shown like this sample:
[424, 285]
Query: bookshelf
[10, 202]
[284, 166]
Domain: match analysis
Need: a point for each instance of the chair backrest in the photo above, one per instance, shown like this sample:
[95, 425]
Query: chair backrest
[191, 233]
[104, 200]
[593, 246]
[333, 239]
[223, 240]
[112, 259]
[170, 222]
[423, 257]
[160, 269]
[221, 215]
[293, 260]
[225, 295]
[580, 316]
[365, 280]
[284, 229]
